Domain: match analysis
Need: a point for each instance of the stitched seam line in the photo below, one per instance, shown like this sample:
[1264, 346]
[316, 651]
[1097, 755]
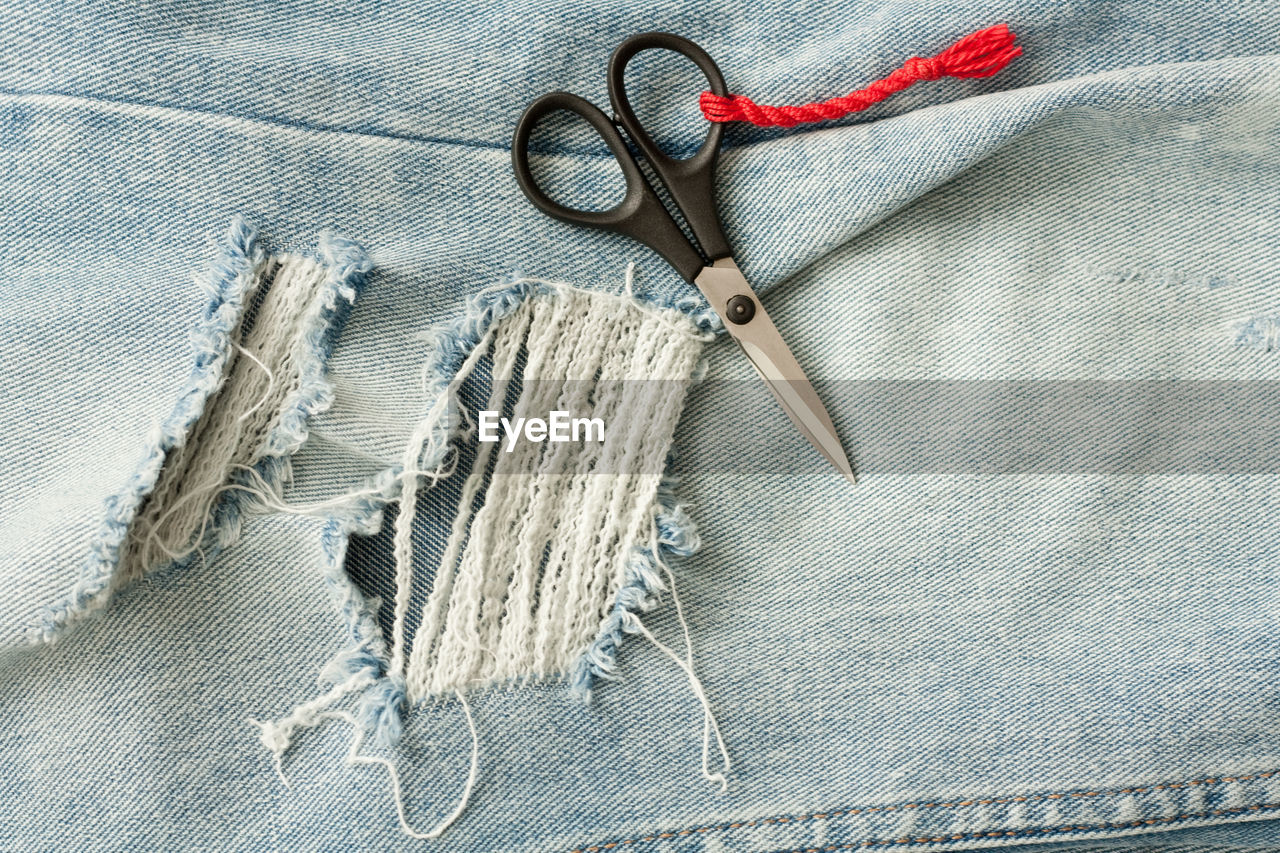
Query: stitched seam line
[1212, 780]
[970, 836]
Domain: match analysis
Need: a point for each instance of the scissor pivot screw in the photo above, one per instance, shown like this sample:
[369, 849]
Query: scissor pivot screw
[740, 309]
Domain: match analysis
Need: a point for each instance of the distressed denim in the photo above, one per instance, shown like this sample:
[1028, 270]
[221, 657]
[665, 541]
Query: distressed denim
[930, 660]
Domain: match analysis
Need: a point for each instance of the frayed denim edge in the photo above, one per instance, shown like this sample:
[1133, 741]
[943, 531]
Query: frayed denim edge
[641, 586]
[381, 705]
[227, 283]
[379, 710]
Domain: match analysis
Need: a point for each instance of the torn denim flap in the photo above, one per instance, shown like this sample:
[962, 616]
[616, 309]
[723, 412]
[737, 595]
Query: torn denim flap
[551, 549]
[258, 374]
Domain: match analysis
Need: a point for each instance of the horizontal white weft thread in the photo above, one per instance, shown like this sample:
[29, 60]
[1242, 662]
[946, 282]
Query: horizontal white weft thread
[531, 567]
[263, 370]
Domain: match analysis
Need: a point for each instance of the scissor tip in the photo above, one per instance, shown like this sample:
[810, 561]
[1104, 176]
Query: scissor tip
[842, 465]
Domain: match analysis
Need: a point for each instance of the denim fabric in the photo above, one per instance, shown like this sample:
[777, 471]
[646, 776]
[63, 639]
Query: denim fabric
[923, 661]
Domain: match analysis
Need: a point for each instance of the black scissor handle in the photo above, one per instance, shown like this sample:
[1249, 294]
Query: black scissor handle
[640, 215]
[691, 182]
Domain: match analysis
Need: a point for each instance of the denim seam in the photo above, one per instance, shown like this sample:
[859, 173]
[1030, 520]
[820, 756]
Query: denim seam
[1031, 833]
[934, 839]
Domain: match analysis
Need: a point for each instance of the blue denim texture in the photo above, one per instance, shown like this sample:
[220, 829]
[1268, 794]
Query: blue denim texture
[929, 662]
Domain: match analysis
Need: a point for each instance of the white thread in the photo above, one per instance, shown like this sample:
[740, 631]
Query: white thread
[271, 382]
[403, 542]
[238, 419]
[628, 280]
[472, 773]
[516, 655]
[276, 736]
[397, 792]
[531, 565]
[505, 350]
[208, 495]
[270, 498]
[266, 497]
[708, 721]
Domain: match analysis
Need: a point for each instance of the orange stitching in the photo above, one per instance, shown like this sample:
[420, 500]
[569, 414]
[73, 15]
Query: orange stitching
[598, 848]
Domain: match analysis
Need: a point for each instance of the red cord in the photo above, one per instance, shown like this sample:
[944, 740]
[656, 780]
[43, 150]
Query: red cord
[979, 54]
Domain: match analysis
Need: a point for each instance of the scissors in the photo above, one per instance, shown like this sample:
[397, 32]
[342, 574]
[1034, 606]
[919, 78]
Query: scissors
[641, 215]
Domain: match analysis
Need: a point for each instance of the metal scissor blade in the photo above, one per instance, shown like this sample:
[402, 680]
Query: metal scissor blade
[769, 354]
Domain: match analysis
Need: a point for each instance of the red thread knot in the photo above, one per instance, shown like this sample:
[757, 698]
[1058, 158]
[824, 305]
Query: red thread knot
[925, 68]
[979, 54]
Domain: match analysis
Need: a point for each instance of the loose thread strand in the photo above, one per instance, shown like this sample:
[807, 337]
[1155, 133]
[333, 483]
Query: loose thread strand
[709, 724]
[354, 756]
[402, 542]
[707, 720]
[271, 382]
[277, 735]
[696, 686]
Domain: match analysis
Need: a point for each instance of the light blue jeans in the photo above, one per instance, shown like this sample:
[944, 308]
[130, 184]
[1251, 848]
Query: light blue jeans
[929, 660]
